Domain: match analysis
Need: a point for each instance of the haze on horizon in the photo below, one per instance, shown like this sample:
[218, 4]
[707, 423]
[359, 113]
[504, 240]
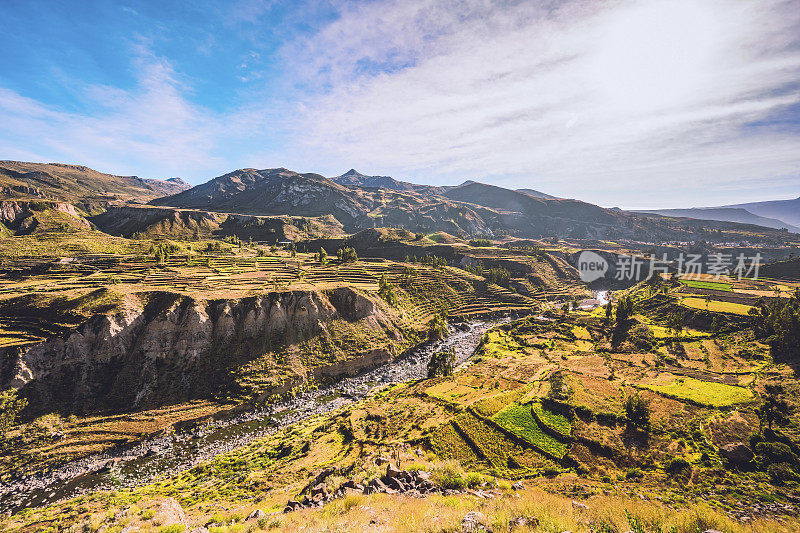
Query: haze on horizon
[637, 104]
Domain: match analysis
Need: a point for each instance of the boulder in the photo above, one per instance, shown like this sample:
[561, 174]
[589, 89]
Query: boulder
[392, 471]
[518, 486]
[736, 453]
[255, 515]
[474, 522]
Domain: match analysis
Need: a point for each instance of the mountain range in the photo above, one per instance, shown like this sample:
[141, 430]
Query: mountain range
[358, 201]
[771, 214]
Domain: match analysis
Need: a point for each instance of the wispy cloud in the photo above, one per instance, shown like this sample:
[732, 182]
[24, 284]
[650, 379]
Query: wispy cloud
[638, 103]
[581, 100]
[153, 126]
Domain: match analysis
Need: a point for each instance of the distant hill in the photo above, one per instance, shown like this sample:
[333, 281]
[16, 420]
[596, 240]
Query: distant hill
[75, 183]
[274, 191]
[537, 194]
[785, 210]
[729, 214]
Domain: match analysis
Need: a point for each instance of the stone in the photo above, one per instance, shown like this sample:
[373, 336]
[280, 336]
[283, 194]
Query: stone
[712, 531]
[518, 486]
[320, 489]
[422, 475]
[474, 522]
[392, 471]
[255, 515]
[736, 453]
[580, 506]
[170, 512]
[381, 460]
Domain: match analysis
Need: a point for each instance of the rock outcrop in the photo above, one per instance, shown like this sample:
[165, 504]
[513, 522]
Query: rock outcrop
[164, 347]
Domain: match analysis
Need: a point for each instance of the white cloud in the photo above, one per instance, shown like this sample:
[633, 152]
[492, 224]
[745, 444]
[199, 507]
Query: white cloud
[589, 102]
[151, 129]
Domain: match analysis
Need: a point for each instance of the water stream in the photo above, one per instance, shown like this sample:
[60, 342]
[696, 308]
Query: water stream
[173, 453]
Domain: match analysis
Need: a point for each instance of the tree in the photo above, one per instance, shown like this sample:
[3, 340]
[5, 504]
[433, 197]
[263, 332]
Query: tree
[778, 322]
[322, 256]
[386, 290]
[347, 255]
[10, 407]
[675, 323]
[437, 327]
[442, 363]
[775, 408]
[637, 412]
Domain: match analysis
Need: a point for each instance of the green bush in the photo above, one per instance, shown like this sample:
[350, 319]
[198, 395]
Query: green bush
[637, 412]
[633, 473]
[781, 472]
[677, 465]
[473, 479]
[449, 475]
[775, 452]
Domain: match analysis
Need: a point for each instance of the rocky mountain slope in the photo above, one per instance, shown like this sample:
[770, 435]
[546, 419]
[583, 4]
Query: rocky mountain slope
[76, 183]
[158, 348]
[472, 208]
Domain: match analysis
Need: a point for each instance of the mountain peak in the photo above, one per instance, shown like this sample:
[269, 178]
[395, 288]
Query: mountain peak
[352, 172]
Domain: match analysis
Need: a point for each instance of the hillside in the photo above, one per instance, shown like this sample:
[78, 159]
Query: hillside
[359, 202]
[75, 183]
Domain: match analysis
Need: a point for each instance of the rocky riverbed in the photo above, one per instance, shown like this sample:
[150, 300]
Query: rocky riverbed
[172, 453]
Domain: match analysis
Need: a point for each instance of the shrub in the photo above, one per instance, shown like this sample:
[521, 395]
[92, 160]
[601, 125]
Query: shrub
[637, 412]
[642, 338]
[449, 475]
[480, 242]
[174, 528]
[633, 473]
[10, 407]
[350, 501]
[437, 327]
[498, 275]
[473, 479]
[775, 452]
[781, 473]
[442, 363]
[502, 484]
[677, 465]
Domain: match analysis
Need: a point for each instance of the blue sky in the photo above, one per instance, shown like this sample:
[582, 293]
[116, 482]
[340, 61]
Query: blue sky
[636, 103]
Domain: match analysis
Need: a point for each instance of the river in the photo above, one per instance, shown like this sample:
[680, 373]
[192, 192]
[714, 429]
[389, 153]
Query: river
[173, 453]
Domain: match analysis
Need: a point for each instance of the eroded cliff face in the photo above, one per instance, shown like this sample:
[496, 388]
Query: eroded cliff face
[162, 347]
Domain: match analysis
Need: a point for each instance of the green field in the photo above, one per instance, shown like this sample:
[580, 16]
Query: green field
[554, 421]
[703, 392]
[715, 306]
[714, 285]
[519, 420]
